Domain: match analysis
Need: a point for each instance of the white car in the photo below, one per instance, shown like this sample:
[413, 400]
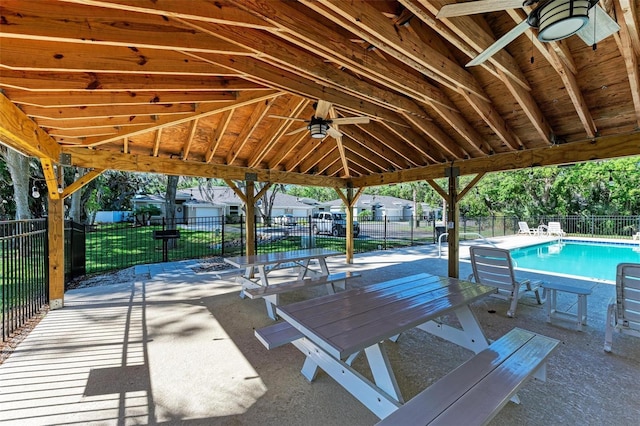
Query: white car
[286, 220]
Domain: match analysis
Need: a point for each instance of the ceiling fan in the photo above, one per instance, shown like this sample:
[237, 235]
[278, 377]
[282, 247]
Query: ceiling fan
[554, 19]
[319, 125]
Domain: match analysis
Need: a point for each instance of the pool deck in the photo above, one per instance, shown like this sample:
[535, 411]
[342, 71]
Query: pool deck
[177, 347]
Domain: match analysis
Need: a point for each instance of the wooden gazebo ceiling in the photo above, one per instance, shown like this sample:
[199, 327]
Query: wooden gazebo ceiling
[192, 88]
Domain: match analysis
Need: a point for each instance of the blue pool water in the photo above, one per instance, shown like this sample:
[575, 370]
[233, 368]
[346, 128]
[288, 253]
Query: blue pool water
[577, 258]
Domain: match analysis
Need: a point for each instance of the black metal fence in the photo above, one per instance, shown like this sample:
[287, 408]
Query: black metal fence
[116, 246]
[592, 226]
[24, 272]
[107, 247]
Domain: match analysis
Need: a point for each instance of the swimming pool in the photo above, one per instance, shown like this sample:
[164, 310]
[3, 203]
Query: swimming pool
[579, 258]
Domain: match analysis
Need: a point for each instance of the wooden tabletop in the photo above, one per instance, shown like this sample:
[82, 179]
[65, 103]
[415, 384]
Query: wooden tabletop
[279, 257]
[350, 321]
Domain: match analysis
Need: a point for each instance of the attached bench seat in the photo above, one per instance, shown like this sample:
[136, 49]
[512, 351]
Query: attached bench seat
[338, 278]
[276, 335]
[475, 392]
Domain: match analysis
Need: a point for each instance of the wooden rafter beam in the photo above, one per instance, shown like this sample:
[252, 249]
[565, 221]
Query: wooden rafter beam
[108, 122]
[245, 98]
[627, 9]
[285, 80]
[299, 61]
[625, 42]
[338, 140]
[433, 184]
[263, 190]
[189, 142]
[294, 107]
[447, 148]
[106, 112]
[82, 157]
[468, 33]
[35, 81]
[361, 150]
[365, 143]
[561, 60]
[156, 144]
[218, 133]
[259, 112]
[470, 185]
[36, 55]
[309, 154]
[199, 10]
[19, 132]
[424, 148]
[363, 20]
[114, 99]
[32, 21]
[615, 146]
[283, 151]
[394, 143]
[231, 184]
[490, 116]
[336, 48]
[81, 182]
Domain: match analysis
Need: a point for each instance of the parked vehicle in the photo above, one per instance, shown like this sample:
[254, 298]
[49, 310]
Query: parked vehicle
[333, 223]
[286, 220]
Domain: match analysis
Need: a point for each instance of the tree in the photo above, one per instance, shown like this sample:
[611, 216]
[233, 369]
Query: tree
[7, 206]
[18, 166]
[170, 206]
[75, 207]
[312, 192]
[265, 206]
[143, 214]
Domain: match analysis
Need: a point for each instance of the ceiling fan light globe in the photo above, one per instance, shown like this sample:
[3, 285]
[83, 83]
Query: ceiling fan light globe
[559, 19]
[318, 129]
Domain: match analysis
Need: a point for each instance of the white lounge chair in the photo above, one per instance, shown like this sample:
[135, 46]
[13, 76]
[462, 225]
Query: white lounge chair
[524, 229]
[623, 312]
[554, 228]
[636, 236]
[493, 267]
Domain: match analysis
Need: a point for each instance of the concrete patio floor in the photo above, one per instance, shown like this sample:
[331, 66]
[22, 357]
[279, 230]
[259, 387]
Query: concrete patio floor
[177, 347]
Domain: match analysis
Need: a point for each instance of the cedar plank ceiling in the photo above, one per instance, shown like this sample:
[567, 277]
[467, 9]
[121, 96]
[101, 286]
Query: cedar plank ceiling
[192, 88]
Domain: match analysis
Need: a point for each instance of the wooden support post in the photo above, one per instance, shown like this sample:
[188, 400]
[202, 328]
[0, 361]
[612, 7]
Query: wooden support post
[349, 231]
[349, 201]
[250, 219]
[453, 215]
[56, 253]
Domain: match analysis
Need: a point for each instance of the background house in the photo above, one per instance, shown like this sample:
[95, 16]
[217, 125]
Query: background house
[192, 204]
[380, 206]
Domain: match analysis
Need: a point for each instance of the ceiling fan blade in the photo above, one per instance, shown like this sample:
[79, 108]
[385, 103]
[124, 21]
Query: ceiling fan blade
[322, 110]
[599, 26]
[474, 7]
[301, 129]
[500, 43]
[351, 120]
[333, 132]
[284, 117]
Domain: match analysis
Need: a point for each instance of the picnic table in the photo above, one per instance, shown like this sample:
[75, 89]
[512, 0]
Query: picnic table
[332, 330]
[257, 268]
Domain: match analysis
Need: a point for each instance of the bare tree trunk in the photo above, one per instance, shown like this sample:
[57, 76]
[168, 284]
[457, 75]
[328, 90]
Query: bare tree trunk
[18, 166]
[266, 208]
[170, 200]
[75, 211]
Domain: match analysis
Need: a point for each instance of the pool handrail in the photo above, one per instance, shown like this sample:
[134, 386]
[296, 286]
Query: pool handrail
[446, 234]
